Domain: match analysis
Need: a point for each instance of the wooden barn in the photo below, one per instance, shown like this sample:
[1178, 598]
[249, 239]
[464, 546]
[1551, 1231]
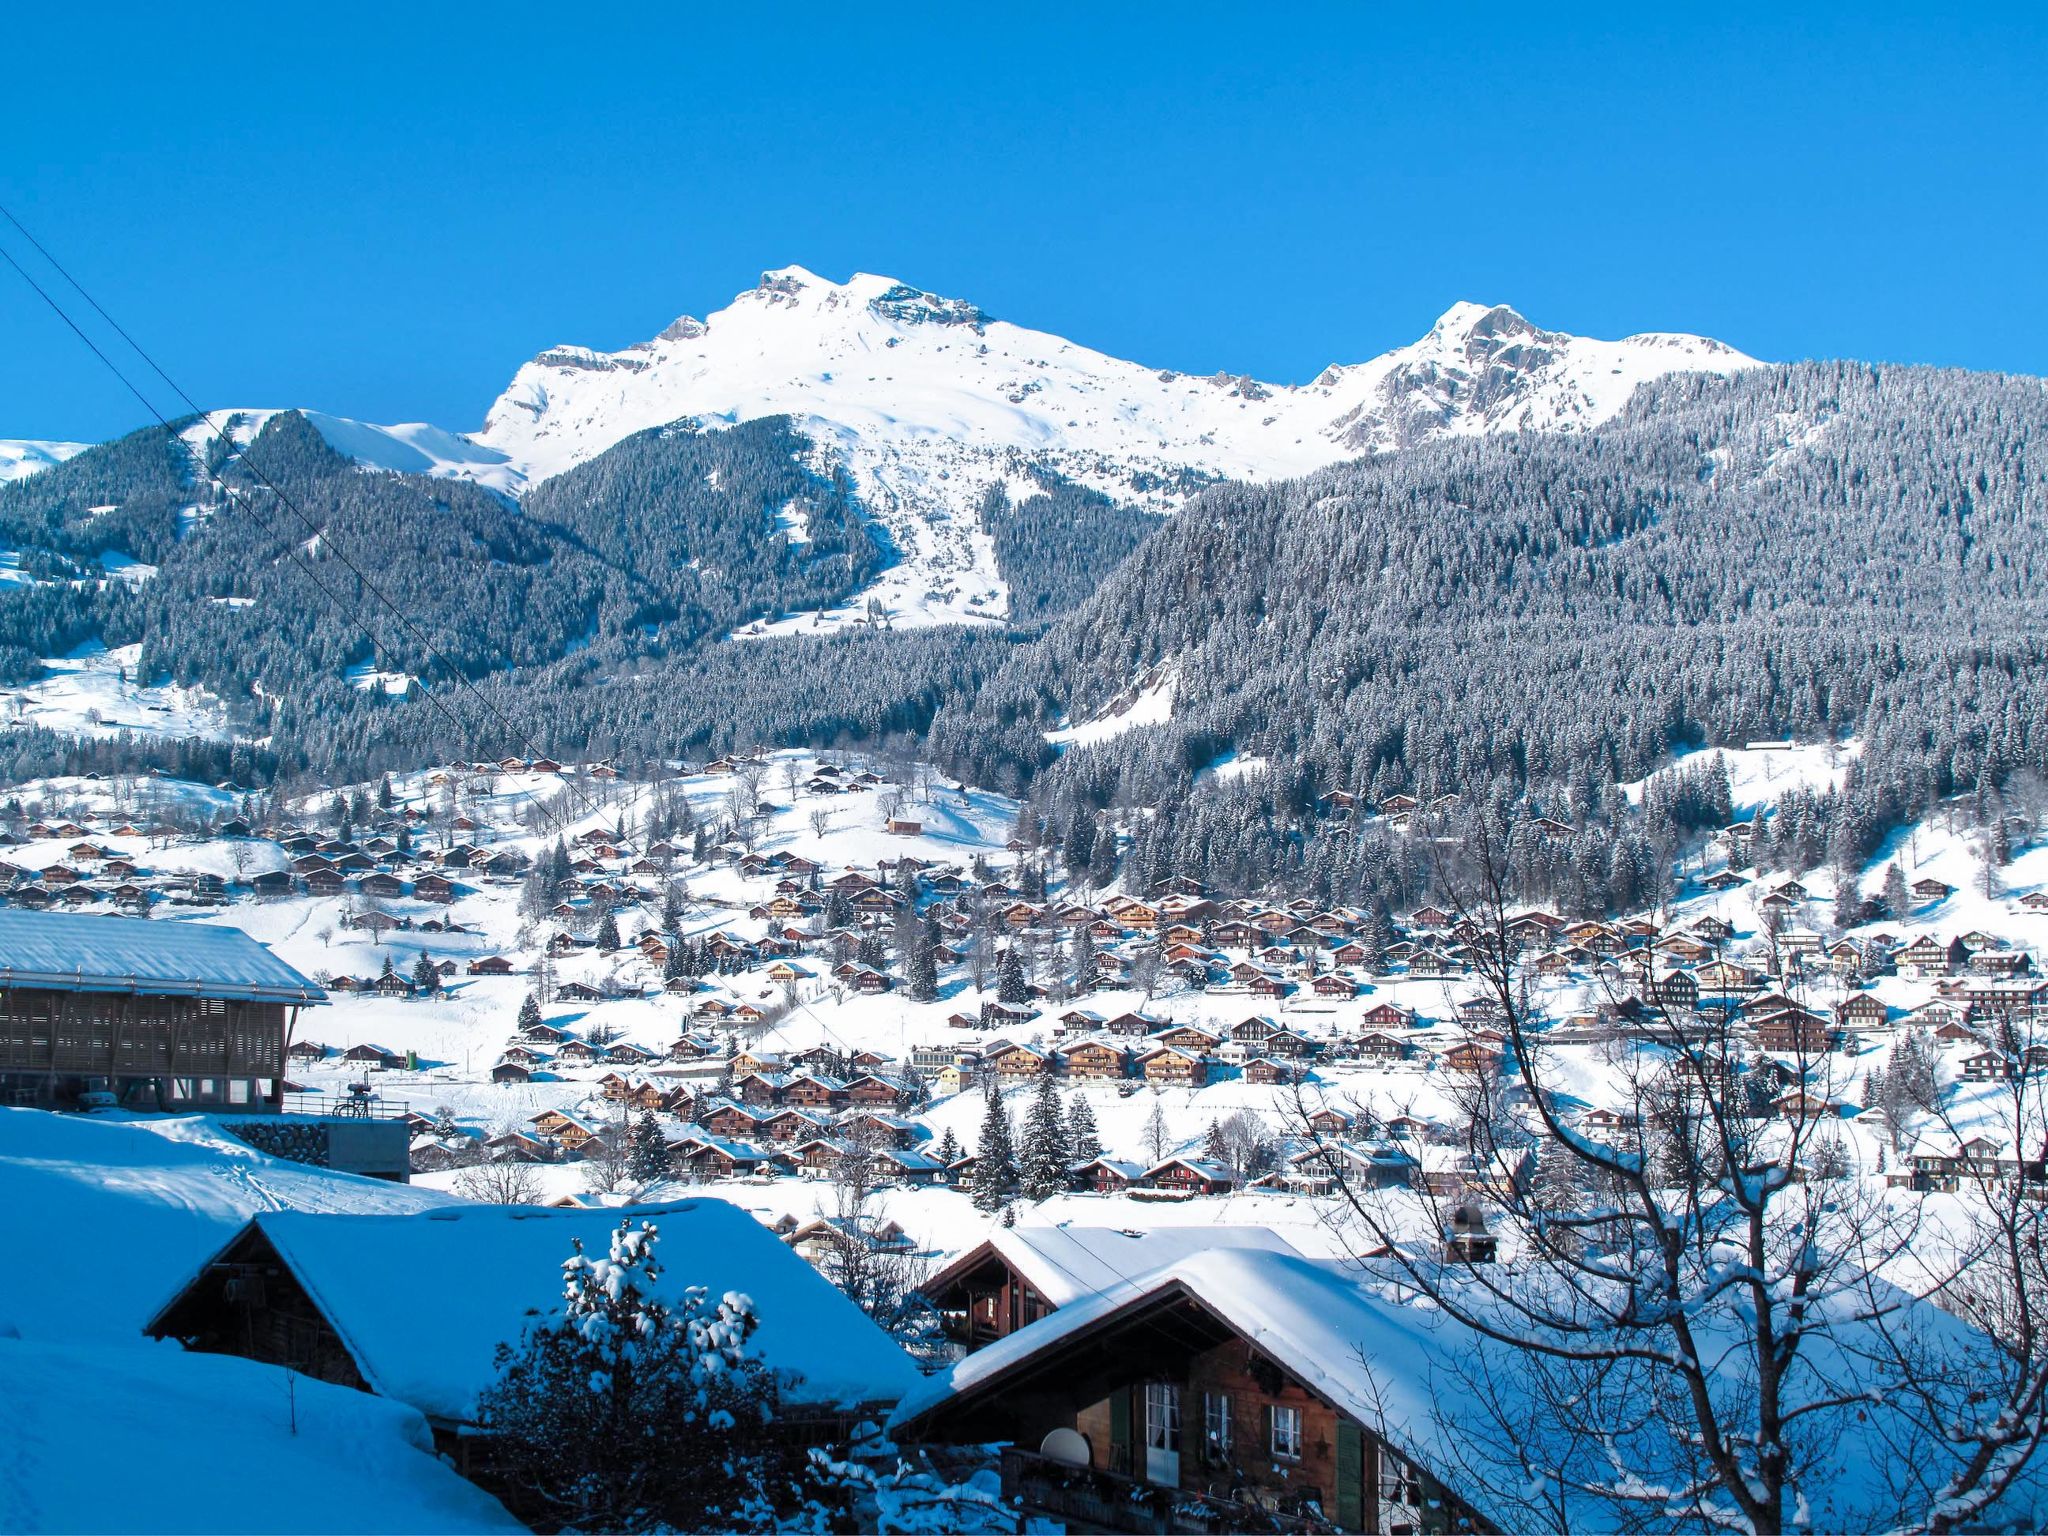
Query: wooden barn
[319, 1293]
[161, 1015]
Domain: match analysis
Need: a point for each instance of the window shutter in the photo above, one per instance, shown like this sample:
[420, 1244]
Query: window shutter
[1120, 1430]
[1350, 1477]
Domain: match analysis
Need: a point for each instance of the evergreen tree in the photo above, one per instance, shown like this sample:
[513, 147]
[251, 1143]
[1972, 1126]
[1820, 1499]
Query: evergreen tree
[1085, 975]
[921, 968]
[1011, 987]
[634, 1406]
[1897, 899]
[948, 1151]
[1082, 1136]
[1046, 1153]
[607, 932]
[426, 977]
[1848, 901]
[995, 1159]
[529, 1015]
[646, 1150]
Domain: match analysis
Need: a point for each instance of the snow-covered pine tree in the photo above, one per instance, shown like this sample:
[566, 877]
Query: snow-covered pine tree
[608, 932]
[995, 1159]
[1082, 1136]
[948, 1152]
[1084, 961]
[646, 1150]
[1897, 900]
[426, 978]
[529, 1015]
[1011, 987]
[629, 1410]
[1046, 1152]
[921, 967]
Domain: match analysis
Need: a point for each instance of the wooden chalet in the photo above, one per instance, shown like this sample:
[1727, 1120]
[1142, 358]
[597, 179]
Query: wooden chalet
[1180, 1407]
[319, 1293]
[160, 1015]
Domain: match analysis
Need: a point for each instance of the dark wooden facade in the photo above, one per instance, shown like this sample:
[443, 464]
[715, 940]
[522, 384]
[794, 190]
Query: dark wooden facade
[248, 1302]
[154, 1052]
[1188, 1425]
[981, 1297]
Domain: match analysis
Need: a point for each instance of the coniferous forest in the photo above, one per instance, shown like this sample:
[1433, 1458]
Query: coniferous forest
[1817, 551]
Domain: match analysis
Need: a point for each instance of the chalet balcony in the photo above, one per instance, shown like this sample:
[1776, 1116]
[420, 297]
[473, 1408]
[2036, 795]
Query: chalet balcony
[1088, 1500]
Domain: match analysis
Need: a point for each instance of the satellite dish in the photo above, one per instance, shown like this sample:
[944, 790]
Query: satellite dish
[1068, 1447]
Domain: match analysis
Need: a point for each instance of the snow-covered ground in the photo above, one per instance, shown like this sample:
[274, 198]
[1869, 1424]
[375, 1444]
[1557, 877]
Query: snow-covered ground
[1761, 772]
[1149, 703]
[151, 1438]
[94, 692]
[21, 457]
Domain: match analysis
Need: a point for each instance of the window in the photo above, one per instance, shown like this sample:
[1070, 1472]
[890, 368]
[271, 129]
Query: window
[1216, 1422]
[1162, 1416]
[1286, 1432]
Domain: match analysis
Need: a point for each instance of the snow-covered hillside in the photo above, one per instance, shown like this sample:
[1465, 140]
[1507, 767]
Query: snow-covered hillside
[22, 457]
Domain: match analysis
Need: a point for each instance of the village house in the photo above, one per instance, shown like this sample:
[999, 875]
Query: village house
[1180, 1402]
[323, 1302]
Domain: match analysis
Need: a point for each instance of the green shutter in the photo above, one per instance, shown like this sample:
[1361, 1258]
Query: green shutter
[1120, 1430]
[1350, 1477]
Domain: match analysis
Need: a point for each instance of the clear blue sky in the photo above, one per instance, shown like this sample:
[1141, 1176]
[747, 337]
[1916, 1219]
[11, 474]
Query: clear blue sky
[383, 211]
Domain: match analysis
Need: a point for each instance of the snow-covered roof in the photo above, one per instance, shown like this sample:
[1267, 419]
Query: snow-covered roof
[71, 952]
[1066, 1263]
[1404, 1369]
[423, 1302]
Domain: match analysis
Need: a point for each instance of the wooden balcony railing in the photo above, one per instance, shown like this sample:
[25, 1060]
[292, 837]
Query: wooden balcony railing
[1106, 1501]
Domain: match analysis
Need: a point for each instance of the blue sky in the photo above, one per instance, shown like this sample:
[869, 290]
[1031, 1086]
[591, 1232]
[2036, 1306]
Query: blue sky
[383, 211]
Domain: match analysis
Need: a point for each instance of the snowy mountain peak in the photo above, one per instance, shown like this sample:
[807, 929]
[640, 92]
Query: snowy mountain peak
[930, 401]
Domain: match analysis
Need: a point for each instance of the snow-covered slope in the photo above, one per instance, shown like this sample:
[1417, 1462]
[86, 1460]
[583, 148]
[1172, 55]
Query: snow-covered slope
[892, 364]
[22, 457]
[932, 401]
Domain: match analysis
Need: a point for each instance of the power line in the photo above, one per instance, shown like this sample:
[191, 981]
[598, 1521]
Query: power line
[343, 608]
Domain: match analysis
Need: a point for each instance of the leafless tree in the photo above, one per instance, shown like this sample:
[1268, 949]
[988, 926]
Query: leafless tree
[506, 1182]
[865, 1256]
[1685, 1323]
[821, 820]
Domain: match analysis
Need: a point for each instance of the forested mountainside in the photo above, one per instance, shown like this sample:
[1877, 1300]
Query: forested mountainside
[669, 538]
[1524, 621]
[1056, 545]
[1815, 550]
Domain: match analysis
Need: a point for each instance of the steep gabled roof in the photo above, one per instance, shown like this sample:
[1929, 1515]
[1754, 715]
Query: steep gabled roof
[432, 1345]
